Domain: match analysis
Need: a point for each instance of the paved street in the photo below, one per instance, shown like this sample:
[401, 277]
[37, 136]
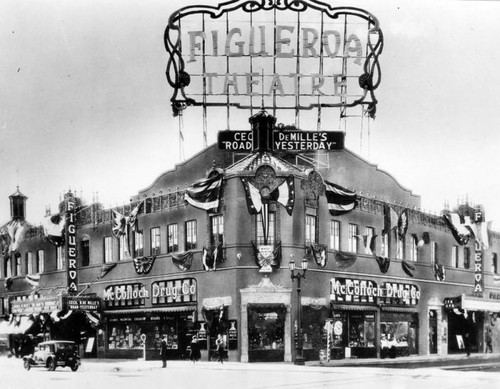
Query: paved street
[207, 375]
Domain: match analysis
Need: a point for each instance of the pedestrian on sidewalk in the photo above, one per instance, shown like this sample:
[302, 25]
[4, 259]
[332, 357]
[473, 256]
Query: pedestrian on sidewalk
[195, 354]
[467, 343]
[163, 351]
[219, 342]
[489, 340]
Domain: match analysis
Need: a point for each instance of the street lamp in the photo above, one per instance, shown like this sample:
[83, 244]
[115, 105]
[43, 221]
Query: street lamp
[299, 357]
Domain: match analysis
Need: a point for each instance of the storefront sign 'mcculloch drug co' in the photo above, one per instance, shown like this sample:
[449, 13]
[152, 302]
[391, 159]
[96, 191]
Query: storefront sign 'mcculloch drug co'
[273, 54]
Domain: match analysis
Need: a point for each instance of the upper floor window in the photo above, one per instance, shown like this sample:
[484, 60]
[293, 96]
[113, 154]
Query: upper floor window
[60, 257]
[155, 240]
[85, 251]
[466, 257]
[29, 262]
[434, 257]
[400, 250]
[413, 249]
[454, 257]
[138, 244]
[122, 247]
[352, 238]
[334, 235]
[385, 246]
[494, 263]
[310, 229]
[18, 265]
[108, 249]
[7, 268]
[217, 230]
[191, 237]
[173, 238]
[271, 229]
[41, 261]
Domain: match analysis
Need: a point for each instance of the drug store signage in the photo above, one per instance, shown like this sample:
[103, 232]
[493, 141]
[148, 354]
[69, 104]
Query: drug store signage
[174, 291]
[347, 290]
[125, 295]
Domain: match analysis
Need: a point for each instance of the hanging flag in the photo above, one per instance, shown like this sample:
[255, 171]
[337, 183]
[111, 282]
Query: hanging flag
[407, 268]
[53, 228]
[319, 253]
[285, 194]
[16, 230]
[123, 225]
[368, 243]
[132, 218]
[345, 260]
[390, 219]
[144, 265]
[439, 272]
[253, 197]
[33, 279]
[205, 194]
[106, 268]
[339, 199]
[209, 260]
[457, 225]
[118, 224]
[270, 260]
[403, 224]
[183, 260]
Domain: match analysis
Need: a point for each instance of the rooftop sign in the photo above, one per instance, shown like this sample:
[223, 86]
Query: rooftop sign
[268, 54]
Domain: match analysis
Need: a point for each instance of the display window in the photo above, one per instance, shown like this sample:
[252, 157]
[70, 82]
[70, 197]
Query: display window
[398, 334]
[266, 328]
[313, 331]
[354, 334]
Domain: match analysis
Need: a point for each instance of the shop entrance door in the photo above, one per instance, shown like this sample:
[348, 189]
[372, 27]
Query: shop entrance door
[266, 328]
[433, 332]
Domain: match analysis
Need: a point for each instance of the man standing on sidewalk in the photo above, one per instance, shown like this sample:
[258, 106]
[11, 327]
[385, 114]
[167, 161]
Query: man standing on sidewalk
[467, 343]
[163, 351]
[489, 341]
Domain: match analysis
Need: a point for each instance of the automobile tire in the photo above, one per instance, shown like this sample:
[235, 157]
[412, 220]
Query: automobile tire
[27, 364]
[74, 366]
[52, 364]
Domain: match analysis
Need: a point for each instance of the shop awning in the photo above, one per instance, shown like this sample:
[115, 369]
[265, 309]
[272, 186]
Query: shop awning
[180, 308]
[399, 309]
[17, 326]
[346, 307]
[472, 303]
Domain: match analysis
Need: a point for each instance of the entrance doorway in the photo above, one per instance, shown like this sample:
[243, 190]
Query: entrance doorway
[266, 329]
[433, 332]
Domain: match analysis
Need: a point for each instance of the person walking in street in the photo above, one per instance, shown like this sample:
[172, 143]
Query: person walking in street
[163, 351]
[195, 354]
[219, 342]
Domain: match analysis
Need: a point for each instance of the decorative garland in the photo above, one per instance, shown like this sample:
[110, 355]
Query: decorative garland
[383, 263]
[319, 253]
[183, 261]
[408, 268]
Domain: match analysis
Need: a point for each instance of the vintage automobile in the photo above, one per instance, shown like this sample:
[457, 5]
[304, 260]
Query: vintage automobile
[52, 354]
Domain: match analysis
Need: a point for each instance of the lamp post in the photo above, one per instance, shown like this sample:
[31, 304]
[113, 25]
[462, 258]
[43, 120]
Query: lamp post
[299, 357]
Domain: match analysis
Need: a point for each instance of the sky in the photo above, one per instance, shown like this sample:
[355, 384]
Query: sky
[85, 104]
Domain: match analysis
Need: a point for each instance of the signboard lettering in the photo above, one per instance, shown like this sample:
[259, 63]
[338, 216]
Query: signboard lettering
[174, 291]
[71, 268]
[125, 295]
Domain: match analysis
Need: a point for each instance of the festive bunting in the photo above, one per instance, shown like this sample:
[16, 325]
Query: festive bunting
[8, 283]
[402, 224]
[272, 260]
[33, 279]
[390, 219]
[285, 194]
[383, 263]
[339, 199]
[210, 259]
[319, 253]
[439, 272]
[53, 228]
[369, 243]
[12, 235]
[459, 226]
[144, 265]
[124, 225]
[408, 268]
[205, 194]
[106, 268]
[344, 260]
[183, 260]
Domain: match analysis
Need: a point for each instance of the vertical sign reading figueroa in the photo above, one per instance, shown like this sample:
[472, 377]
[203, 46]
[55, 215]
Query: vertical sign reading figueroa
[72, 280]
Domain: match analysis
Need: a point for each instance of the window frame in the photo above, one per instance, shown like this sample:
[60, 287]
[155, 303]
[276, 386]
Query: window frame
[334, 240]
[40, 261]
[216, 229]
[155, 241]
[467, 257]
[172, 238]
[352, 240]
[60, 254]
[107, 249]
[138, 244]
[310, 229]
[191, 237]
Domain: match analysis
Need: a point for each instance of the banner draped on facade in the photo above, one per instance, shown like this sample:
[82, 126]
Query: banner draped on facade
[183, 260]
[339, 199]
[205, 194]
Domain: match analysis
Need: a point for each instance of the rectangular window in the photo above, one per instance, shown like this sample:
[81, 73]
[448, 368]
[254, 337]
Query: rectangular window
[191, 232]
[352, 239]
[173, 238]
[385, 246]
[217, 230]
[400, 252]
[18, 266]
[454, 257]
[155, 240]
[334, 235]
[108, 249]
[310, 229]
[494, 263]
[85, 251]
[413, 249]
[138, 244]
[466, 257]
[41, 261]
[60, 257]
[271, 235]
[433, 252]
[29, 262]
[122, 248]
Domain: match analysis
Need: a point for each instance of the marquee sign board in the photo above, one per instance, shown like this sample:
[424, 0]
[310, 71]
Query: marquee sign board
[289, 141]
[273, 54]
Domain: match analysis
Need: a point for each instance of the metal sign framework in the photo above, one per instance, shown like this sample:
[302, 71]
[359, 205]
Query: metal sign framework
[180, 79]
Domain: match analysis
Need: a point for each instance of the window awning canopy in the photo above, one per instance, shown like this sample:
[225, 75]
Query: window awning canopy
[472, 303]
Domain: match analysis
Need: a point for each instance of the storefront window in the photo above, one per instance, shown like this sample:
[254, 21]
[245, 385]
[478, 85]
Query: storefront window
[398, 330]
[266, 328]
[313, 323]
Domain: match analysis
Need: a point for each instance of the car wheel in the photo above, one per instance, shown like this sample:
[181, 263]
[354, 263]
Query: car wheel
[27, 364]
[52, 364]
[74, 366]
